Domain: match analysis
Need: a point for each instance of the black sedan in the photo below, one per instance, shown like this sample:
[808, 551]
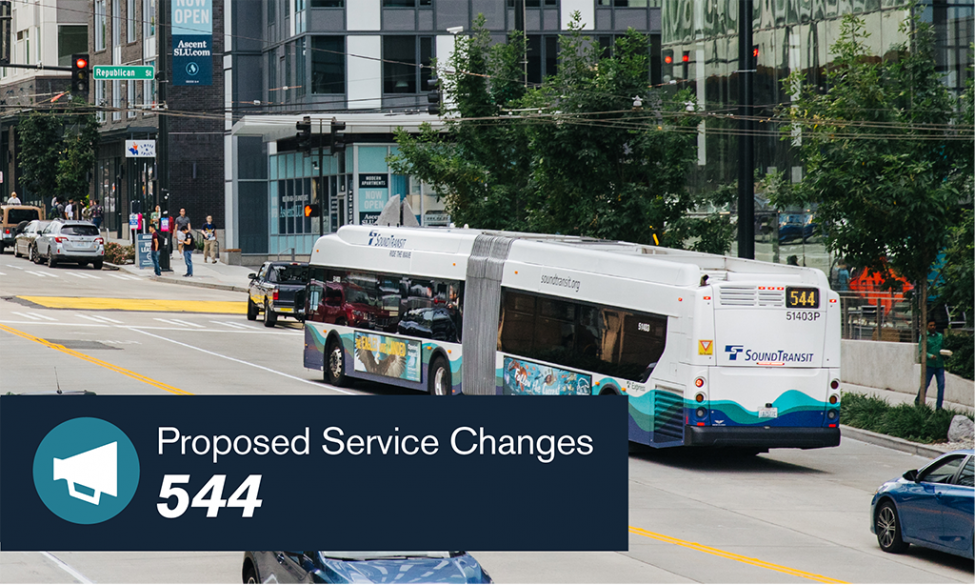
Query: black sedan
[931, 507]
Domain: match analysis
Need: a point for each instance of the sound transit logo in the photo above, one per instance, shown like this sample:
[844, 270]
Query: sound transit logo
[86, 470]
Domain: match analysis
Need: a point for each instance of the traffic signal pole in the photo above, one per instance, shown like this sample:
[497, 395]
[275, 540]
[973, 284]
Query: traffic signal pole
[321, 177]
[746, 144]
[162, 135]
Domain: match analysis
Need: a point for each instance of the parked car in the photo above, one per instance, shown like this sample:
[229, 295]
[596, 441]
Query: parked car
[71, 241]
[10, 217]
[272, 291]
[361, 567]
[931, 507]
[27, 232]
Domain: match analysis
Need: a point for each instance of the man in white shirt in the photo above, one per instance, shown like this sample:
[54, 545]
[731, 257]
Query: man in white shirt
[14, 200]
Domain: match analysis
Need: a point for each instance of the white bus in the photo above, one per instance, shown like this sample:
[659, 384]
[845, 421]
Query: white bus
[711, 350]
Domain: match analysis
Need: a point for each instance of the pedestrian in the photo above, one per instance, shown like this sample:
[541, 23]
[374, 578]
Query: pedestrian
[156, 246]
[842, 277]
[97, 213]
[792, 260]
[187, 244]
[14, 200]
[209, 240]
[935, 364]
[59, 210]
[69, 209]
[182, 220]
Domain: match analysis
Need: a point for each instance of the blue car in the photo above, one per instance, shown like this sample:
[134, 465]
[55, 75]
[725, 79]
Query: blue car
[361, 567]
[931, 507]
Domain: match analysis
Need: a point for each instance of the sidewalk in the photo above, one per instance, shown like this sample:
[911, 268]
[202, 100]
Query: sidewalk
[206, 275]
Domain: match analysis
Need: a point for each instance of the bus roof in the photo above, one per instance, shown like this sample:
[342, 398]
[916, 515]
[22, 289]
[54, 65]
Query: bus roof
[637, 261]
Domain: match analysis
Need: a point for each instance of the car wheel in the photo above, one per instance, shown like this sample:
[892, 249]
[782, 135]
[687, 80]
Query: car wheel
[34, 256]
[335, 364]
[439, 380]
[252, 310]
[270, 319]
[82, 265]
[97, 264]
[888, 528]
[250, 575]
[51, 262]
[16, 253]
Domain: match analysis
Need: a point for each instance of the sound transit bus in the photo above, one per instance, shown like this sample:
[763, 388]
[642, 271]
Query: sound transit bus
[710, 350]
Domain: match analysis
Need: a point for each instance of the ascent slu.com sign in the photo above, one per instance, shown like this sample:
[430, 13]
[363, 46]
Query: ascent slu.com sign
[192, 42]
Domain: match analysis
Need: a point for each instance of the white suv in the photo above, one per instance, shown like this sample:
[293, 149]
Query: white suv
[71, 241]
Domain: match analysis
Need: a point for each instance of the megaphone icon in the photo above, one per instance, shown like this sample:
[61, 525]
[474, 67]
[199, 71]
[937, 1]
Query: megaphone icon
[96, 469]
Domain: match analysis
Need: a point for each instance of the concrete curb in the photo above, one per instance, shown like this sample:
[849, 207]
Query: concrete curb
[198, 284]
[895, 443]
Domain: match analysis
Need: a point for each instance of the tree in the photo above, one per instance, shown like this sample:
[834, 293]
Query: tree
[881, 152]
[78, 155]
[57, 150]
[575, 155]
[39, 152]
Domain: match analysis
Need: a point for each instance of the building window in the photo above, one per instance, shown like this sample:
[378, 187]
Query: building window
[401, 57]
[289, 51]
[116, 24]
[148, 18]
[130, 21]
[625, 3]
[405, 3]
[272, 77]
[272, 11]
[100, 99]
[300, 60]
[100, 24]
[538, 3]
[327, 3]
[328, 65]
[543, 57]
[71, 39]
[300, 21]
[149, 89]
[130, 102]
[116, 101]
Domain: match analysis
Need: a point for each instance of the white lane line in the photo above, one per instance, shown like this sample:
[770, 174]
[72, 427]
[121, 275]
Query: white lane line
[234, 325]
[80, 275]
[3, 274]
[246, 363]
[166, 321]
[39, 316]
[181, 322]
[14, 266]
[67, 568]
[41, 274]
[121, 277]
[8, 322]
[109, 319]
[98, 319]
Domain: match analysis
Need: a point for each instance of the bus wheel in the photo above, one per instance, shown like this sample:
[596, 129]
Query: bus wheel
[439, 381]
[334, 364]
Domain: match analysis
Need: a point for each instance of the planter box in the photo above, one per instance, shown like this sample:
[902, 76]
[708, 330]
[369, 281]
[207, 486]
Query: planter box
[230, 256]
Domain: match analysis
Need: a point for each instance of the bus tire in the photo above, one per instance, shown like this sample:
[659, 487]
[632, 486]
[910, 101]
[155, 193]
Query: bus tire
[334, 366]
[439, 383]
[609, 390]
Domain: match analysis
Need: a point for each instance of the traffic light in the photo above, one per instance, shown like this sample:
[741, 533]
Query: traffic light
[753, 58]
[313, 210]
[336, 140]
[686, 60]
[667, 71]
[79, 74]
[433, 97]
[303, 136]
[6, 23]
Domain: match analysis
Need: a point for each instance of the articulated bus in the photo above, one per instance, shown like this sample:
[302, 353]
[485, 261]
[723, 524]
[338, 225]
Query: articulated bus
[710, 350]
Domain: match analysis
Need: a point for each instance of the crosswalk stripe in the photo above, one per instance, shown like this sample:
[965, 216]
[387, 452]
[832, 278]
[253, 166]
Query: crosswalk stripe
[45, 317]
[13, 266]
[123, 277]
[189, 324]
[168, 322]
[109, 319]
[234, 325]
[24, 315]
[35, 273]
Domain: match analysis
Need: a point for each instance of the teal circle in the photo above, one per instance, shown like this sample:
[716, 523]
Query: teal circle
[76, 437]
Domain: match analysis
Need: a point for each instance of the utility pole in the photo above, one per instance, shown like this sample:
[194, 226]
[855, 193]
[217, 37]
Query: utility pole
[162, 135]
[322, 199]
[746, 145]
[520, 26]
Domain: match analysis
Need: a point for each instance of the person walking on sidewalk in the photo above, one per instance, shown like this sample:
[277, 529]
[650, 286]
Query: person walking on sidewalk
[156, 245]
[188, 245]
[97, 212]
[209, 240]
[936, 363]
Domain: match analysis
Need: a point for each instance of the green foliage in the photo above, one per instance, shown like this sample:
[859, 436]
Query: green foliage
[572, 156]
[962, 361]
[118, 254]
[956, 287]
[920, 424]
[57, 150]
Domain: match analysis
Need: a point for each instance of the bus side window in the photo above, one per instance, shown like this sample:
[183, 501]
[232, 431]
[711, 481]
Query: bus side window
[314, 299]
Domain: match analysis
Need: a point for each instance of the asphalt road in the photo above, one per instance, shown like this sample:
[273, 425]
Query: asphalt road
[784, 517]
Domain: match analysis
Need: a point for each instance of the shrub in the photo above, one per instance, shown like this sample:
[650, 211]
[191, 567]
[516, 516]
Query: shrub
[918, 423]
[118, 254]
[962, 361]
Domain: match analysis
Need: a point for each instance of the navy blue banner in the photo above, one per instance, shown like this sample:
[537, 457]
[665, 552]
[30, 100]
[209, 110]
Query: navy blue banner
[192, 59]
[313, 473]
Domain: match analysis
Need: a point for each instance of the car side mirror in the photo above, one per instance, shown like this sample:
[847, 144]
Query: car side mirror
[910, 475]
[252, 276]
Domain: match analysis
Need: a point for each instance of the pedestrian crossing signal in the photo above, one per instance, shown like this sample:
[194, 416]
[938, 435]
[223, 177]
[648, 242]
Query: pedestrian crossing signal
[313, 210]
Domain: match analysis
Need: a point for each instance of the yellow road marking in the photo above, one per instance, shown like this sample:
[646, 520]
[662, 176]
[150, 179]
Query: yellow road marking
[96, 361]
[158, 305]
[733, 556]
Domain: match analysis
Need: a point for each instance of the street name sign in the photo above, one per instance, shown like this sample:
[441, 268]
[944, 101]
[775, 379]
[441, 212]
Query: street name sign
[122, 72]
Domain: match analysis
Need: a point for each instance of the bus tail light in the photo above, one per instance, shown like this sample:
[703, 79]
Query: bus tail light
[834, 384]
[699, 382]
[834, 399]
[701, 413]
[700, 398]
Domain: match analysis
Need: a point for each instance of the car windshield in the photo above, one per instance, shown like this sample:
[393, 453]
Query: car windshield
[373, 555]
[19, 215]
[79, 230]
[288, 274]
